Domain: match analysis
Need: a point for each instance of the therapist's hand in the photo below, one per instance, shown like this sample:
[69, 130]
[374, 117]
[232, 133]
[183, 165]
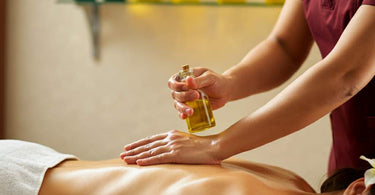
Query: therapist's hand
[216, 86]
[172, 147]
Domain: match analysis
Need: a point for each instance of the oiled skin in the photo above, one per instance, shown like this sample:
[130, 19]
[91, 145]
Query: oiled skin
[116, 177]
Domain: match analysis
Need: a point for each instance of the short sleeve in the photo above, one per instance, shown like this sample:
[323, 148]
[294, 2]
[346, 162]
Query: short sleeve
[368, 2]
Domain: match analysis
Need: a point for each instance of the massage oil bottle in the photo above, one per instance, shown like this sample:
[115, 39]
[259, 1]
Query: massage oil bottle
[202, 117]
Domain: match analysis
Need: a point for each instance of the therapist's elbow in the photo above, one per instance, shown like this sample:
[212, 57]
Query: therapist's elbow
[353, 81]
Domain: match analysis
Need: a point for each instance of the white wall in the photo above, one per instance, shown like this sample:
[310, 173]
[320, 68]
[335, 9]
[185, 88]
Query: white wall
[59, 96]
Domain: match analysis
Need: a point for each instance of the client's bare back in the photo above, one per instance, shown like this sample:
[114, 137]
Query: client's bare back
[116, 177]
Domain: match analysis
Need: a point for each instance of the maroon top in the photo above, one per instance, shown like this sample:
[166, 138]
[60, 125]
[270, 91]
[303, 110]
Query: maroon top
[353, 123]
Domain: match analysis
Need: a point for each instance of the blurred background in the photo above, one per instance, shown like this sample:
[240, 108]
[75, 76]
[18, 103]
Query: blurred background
[54, 92]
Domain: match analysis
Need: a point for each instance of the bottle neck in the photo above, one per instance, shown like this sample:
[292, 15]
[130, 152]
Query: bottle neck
[185, 73]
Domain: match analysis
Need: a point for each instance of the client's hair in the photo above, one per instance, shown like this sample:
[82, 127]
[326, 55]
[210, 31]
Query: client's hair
[342, 178]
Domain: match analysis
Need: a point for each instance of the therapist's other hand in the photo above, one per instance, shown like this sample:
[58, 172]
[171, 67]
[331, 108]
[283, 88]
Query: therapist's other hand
[213, 84]
[172, 147]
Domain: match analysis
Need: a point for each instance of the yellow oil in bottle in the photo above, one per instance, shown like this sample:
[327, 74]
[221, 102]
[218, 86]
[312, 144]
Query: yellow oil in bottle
[202, 117]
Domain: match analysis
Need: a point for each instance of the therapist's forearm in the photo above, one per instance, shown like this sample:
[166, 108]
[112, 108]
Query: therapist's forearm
[314, 94]
[267, 66]
[322, 88]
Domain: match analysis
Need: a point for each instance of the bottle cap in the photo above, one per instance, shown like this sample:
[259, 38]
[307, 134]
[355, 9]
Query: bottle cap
[185, 67]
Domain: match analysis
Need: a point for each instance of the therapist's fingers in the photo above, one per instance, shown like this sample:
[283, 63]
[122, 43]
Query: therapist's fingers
[183, 109]
[145, 141]
[145, 154]
[197, 71]
[180, 147]
[185, 96]
[144, 148]
[158, 159]
[175, 84]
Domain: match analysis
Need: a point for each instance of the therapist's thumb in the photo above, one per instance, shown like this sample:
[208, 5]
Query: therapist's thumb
[202, 81]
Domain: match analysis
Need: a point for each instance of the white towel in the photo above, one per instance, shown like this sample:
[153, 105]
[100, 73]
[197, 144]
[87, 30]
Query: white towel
[23, 165]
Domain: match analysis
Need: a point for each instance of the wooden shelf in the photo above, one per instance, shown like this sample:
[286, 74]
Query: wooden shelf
[91, 8]
[182, 2]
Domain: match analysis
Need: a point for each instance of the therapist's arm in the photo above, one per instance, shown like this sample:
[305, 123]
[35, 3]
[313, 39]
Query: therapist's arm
[322, 88]
[269, 64]
[274, 60]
